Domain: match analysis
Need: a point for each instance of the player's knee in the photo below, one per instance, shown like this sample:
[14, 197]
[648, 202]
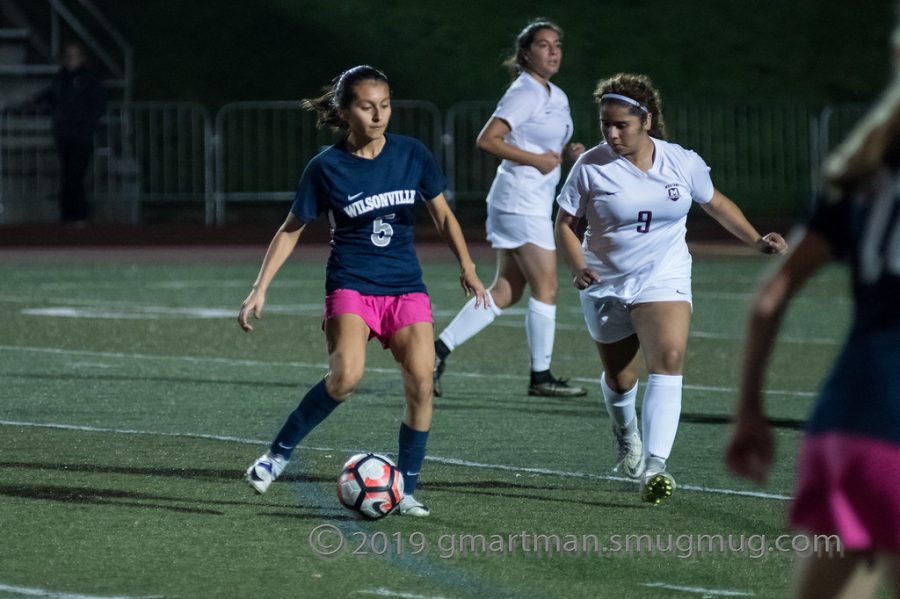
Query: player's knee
[547, 295]
[669, 361]
[546, 291]
[504, 295]
[342, 381]
[621, 382]
[419, 394]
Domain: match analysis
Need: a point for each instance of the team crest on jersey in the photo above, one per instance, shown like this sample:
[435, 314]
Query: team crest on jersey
[673, 191]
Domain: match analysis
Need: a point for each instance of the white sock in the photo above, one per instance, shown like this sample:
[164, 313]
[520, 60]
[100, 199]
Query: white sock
[659, 414]
[468, 323]
[620, 406]
[540, 328]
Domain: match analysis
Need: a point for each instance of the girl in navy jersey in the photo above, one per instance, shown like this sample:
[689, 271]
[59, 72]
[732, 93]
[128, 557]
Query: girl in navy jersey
[848, 475]
[634, 269]
[529, 130]
[367, 183]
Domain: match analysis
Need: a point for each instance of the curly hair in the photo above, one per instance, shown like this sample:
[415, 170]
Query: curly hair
[640, 89]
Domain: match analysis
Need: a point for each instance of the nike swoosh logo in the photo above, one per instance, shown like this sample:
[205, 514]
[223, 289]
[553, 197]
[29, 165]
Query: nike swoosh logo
[412, 474]
[283, 446]
[680, 292]
[353, 197]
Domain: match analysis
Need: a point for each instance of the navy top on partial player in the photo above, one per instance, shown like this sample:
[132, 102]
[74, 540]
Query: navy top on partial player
[864, 227]
[636, 219]
[370, 208]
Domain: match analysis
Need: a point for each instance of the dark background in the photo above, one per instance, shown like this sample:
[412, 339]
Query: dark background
[809, 53]
[216, 51]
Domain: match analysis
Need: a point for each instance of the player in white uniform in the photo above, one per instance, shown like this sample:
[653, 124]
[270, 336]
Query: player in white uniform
[634, 270]
[529, 131]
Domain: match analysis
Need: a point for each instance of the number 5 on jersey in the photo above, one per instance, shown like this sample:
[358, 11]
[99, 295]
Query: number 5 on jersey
[381, 233]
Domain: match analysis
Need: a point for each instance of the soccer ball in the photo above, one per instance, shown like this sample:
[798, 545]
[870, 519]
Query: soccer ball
[371, 485]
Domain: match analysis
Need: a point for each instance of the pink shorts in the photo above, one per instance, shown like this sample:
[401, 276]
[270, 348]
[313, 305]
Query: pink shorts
[848, 485]
[383, 314]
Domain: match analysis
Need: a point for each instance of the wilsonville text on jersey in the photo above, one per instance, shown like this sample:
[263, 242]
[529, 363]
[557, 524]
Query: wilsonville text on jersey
[381, 200]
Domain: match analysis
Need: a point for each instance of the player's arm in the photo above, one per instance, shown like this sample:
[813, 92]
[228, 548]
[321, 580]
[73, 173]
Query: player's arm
[727, 214]
[281, 246]
[750, 451]
[492, 140]
[447, 225]
[570, 248]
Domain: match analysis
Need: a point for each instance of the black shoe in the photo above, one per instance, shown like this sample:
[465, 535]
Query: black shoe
[439, 365]
[554, 387]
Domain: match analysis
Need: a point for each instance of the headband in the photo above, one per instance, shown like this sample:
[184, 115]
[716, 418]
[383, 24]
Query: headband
[625, 99]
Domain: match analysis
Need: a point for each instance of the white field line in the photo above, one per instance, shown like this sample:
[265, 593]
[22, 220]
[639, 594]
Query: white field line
[134, 311]
[324, 366]
[139, 311]
[164, 312]
[36, 592]
[383, 592]
[698, 590]
[297, 309]
[431, 458]
[171, 284]
[293, 283]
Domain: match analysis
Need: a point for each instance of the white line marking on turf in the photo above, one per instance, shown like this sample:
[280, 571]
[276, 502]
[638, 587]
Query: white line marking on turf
[136, 311]
[161, 312]
[324, 366]
[383, 592]
[698, 590]
[430, 458]
[35, 592]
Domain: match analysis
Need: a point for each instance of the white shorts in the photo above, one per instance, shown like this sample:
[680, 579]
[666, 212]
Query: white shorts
[507, 231]
[608, 319]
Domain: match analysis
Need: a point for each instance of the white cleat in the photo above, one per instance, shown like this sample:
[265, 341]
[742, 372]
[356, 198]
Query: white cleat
[410, 506]
[264, 471]
[630, 454]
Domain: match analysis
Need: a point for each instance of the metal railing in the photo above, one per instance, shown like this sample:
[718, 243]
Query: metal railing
[262, 147]
[760, 153]
[28, 167]
[835, 123]
[764, 155]
[151, 152]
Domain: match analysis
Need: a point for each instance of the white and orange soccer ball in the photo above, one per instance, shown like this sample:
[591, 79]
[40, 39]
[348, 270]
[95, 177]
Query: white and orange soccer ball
[371, 485]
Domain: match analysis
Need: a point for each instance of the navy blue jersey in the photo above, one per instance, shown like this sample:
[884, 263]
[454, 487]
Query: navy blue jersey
[862, 394]
[370, 206]
[864, 228]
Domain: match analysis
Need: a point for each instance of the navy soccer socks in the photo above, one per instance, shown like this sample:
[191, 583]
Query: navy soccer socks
[411, 455]
[315, 407]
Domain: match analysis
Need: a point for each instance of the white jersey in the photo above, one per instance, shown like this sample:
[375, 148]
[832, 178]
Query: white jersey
[636, 220]
[539, 122]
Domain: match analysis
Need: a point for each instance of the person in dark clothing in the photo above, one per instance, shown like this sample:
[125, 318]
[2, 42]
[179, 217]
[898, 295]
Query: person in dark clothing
[77, 100]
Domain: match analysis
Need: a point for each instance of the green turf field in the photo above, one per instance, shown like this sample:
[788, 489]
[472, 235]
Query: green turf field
[131, 403]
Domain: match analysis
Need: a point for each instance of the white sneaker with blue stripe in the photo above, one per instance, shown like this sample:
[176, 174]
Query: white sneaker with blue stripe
[264, 471]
